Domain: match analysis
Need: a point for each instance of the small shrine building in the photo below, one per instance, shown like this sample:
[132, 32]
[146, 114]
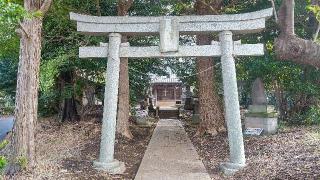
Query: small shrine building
[166, 91]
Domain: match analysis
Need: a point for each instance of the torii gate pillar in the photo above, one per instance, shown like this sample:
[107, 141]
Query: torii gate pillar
[106, 159]
[232, 107]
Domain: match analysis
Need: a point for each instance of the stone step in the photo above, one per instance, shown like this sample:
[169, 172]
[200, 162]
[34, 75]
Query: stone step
[167, 114]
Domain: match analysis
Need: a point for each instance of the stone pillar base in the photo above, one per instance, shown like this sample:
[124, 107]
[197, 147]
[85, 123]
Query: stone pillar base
[230, 168]
[114, 167]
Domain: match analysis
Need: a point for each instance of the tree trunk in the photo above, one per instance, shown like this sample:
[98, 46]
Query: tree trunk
[211, 114]
[70, 112]
[90, 95]
[301, 51]
[23, 138]
[290, 47]
[124, 104]
[279, 99]
[26, 107]
[69, 107]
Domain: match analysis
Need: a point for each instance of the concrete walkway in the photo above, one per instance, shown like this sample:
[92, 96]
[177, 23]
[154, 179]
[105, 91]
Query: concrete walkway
[171, 156]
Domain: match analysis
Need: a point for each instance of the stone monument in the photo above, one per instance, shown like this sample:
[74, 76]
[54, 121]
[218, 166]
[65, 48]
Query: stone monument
[188, 99]
[260, 114]
[169, 28]
[196, 111]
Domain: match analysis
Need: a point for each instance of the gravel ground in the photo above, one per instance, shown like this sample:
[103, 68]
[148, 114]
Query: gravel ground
[292, 153]
[66, 151]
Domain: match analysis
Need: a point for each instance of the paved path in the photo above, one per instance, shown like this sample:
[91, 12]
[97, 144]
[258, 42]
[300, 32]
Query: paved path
[5, 126]
[170, 155]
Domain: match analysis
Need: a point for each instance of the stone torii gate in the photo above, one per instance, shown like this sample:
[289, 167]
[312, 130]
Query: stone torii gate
[169, 28]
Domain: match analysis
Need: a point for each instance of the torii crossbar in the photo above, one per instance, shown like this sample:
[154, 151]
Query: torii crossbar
[169, 28]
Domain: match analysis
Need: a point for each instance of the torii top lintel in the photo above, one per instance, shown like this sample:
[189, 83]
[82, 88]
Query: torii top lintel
[237, 23]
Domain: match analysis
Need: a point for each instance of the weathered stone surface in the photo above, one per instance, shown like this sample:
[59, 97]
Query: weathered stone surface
[232, 107]
[230, 168]
[184, 51]
[258, 93]
[196, 112]
[240, 23]
[114, 167]
[106, 159]
[261, 109]
[171, 155]
[269, 125]
[260, 114]
[169, 35]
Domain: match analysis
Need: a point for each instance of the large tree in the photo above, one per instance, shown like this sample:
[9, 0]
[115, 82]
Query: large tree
[211, 114]
[124, 93]
[288, 46]
[23, 136]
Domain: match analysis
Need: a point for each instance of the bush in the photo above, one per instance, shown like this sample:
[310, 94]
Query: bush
[3, 160]
[6, 105]
[312, 116]
[3, 163]
[3, 144]
[308, 117]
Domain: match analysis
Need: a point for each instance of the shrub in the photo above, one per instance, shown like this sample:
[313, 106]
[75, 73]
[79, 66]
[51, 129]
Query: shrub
[3, 163]
[3, 144]
[312, 116]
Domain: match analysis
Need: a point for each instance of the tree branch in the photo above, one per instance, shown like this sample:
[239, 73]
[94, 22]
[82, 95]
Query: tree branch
[298, 50]
[274, 10]
[124, 6]
[316, 35]
[45, 6]
[22, 30]
[214, 11]
[290, 47]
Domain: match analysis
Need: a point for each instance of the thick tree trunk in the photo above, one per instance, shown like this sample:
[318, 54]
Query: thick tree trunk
[70, 112]
[124, 104]
[69, 107]
[90, 95]
[211, 114]
[290, 47]
[293, 48]
[26, 108]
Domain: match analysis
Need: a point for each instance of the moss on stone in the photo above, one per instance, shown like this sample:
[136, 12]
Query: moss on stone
[262, 114]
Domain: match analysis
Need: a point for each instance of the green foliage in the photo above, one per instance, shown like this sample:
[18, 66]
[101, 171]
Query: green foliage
[10, 15]
[315, 9]
[3, 160]
[313, 116]
[3, 144]
[22, 162]
[11, 12]
[3, 163]
[8, 73]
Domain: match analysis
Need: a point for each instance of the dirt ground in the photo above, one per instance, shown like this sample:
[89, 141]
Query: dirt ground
[292, 153]
[66, 151]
